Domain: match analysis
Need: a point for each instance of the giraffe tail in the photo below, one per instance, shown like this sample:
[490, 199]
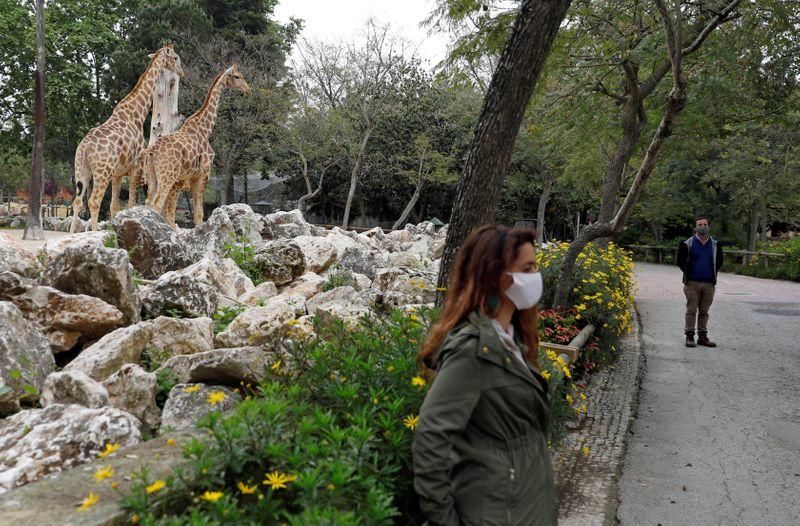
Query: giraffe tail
[81, 178]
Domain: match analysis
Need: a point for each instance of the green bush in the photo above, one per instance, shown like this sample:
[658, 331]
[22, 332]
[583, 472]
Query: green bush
[787, 268]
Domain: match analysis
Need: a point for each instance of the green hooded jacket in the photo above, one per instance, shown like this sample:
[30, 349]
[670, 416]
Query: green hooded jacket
[480, 448]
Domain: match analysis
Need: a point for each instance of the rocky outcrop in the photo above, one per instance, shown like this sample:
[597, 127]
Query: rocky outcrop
[256, 325]
[85, 240]
[176, 336]
[345, 294]
[220, 366]
[280, 262]
[226, 282]
[25, 358]
[260, 294]
[65, 319]
[73, 387]
[307, 285]
[188, 403]
[289, 224]
[133, 390]
[179, 292]
[97, 271]
[14, 258]
[418, 285]
[38, 442]
[319, 253]
[153, 246]
[112, 351]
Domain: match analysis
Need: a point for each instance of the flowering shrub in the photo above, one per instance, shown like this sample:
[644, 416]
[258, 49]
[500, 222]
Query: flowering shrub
[603, 285]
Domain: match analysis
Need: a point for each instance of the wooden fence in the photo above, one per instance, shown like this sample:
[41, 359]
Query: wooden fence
[662, 254]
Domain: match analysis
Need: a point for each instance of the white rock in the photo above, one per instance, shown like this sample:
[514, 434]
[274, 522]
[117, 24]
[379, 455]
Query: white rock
[260, 294]
[307, 285]
[112, 351]
[15, 258]
[100, 238]
[319, 252]
[339, 294]
[289, 224]
[257, 324]
[239, 280]
[175, 336]
[38, 442]
[133, 390]
[221, 366]
[188, 403]
[73, 387]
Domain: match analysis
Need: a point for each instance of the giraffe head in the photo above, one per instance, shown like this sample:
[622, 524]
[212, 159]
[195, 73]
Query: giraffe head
[235, 80]
[168, 59]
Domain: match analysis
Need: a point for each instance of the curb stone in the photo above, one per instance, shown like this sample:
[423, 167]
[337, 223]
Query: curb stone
[586, 485]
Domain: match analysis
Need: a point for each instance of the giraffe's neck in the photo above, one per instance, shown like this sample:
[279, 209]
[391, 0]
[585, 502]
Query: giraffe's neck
[202, 122]
[136, 104]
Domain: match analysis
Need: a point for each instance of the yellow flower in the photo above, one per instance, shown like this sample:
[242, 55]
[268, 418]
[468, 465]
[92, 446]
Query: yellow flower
[570, 400]
[276, 366]
[375, 401]
[191, 389]
[545, 375]
[418, 381]
[103, 473]
[411, 421]
[158, 485]
[90, 500]
[110, 448]
[211, 496]
[583, 396]
[135, 518]
[585, 451]
[331, 487]
[215, 397]
[114, 485]
[170, 441]
[278, 480]
[292, 323]
[245, 489]
[390, 369]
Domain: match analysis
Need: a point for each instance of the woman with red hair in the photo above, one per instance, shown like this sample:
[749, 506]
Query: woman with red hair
[480, 448]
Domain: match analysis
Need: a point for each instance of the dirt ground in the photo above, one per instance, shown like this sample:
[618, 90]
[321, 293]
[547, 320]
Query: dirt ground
[31, 244]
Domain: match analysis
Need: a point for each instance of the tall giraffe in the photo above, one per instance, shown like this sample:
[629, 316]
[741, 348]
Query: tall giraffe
[184, 158]
[109, 152]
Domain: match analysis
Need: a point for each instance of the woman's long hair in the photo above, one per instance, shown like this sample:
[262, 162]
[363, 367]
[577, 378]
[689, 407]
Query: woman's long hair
[475, 284]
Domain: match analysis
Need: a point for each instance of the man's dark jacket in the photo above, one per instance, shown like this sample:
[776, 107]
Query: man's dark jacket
[685, 256]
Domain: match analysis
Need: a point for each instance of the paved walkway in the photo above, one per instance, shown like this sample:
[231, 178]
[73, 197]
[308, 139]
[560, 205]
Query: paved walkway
[33, 245]
[717, 438]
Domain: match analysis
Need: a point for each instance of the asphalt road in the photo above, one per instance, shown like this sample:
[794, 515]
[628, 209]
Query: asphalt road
[717, 437]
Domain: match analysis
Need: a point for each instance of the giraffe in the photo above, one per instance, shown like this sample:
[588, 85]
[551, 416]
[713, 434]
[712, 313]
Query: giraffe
[109, 152]
[183, 160]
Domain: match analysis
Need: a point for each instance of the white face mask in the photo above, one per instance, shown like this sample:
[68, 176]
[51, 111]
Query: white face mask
[526, 290]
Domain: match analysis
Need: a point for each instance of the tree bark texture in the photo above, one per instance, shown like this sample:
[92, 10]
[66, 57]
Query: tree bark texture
[540, 211]
[33, 226]
[409, 207]
[165, 119]
[504, 105]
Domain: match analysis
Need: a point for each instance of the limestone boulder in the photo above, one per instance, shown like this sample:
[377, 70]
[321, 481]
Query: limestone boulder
[188, 403]
[25, 357]
[38, 442]
[101, 238]
[343, 294]
[66, 319]
[15, 258]
[417, 284]
[363, 260]
[319, 253]
[227, 227]
[260, 294]
[96, 271]
[220, 366]
[181, 292]
[256, 325]
[112, 351]
[350, 312]
[133, 390]
[280, 261]
[239, 281]
[307, 285]
[73, 387]
[404, 259]
[289, 224]
[400, 236]
[153, 246]
[210, 271]
[176, 336]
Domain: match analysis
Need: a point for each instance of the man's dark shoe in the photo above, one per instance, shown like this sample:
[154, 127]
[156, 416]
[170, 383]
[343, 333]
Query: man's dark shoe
[702, 339]
[690, 339]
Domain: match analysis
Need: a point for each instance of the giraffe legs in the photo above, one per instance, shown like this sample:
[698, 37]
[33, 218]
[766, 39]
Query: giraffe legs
[99, 190]
[77, 208]
[198, 189]
[136, 178]
[116, 183]
[171, 205]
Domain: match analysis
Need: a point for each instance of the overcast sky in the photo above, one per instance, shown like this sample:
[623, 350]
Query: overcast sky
[328, 20]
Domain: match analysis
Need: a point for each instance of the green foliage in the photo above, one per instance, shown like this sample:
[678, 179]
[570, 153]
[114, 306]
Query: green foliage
[166, 379]
[242, 252]
[111, 240]
[787, 268]
[336, 278]
[223, 316]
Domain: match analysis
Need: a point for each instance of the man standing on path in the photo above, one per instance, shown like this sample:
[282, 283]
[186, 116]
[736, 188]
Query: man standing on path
[700, 258]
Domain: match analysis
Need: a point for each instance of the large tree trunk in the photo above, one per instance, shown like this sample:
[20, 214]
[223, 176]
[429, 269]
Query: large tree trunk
[362, 149]
[165, 118]
[543, 199]
[33, 226]
[506, 98]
